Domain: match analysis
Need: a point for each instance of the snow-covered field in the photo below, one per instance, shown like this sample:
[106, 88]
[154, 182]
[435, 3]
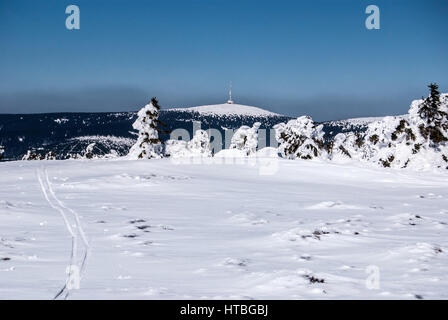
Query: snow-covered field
[158, 230]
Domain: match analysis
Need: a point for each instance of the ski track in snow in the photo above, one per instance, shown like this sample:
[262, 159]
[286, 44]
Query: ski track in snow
[74, 227]
[163, 231]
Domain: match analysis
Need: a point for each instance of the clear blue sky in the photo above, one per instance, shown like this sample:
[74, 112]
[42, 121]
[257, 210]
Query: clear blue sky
[293, 57]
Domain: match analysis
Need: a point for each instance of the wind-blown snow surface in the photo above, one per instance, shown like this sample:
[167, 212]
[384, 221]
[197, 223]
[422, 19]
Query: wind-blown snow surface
[228, 109]
[157, 230]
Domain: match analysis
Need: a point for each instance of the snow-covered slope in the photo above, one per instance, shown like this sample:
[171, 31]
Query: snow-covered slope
[157, 230]
[229, 109]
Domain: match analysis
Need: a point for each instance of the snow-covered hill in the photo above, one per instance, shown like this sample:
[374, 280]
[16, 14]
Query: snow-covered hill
[157, 230]
[227, 109]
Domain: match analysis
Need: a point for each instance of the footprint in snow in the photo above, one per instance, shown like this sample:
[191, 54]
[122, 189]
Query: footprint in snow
[235, 262]
[406, 219]
[331, 205]
[165, 227]
[298, 234]
[143, 227]
[430, 196]
[273, 213]
[20, 239]
[248, 218]
[376, 207]
[6, 243]
[305, 257]
[314, 279]
[137, 221]
[6, 204]
[130, 236]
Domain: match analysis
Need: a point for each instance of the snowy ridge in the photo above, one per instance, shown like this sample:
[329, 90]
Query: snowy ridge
[106, 139]
[360, 122]
[228, 109]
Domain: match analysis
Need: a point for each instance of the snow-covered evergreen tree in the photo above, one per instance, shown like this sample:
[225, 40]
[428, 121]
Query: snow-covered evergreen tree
[2, 151]
[148, 144]
[246, 139]
[30, 155]
[300, 138]
[432, 116]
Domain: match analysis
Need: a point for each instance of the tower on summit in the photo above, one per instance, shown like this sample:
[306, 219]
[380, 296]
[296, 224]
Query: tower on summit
[230, 101]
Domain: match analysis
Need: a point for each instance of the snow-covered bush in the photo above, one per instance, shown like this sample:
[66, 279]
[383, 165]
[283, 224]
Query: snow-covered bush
[198, 146]
[31, 155]
[2, 151]
[176, 149]
[418, 140]
[88, 154]
[347, 146]
[300, 138]
[148, 144]
[246, 139]
[421, 140]
[388, 140]
[50, 156]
